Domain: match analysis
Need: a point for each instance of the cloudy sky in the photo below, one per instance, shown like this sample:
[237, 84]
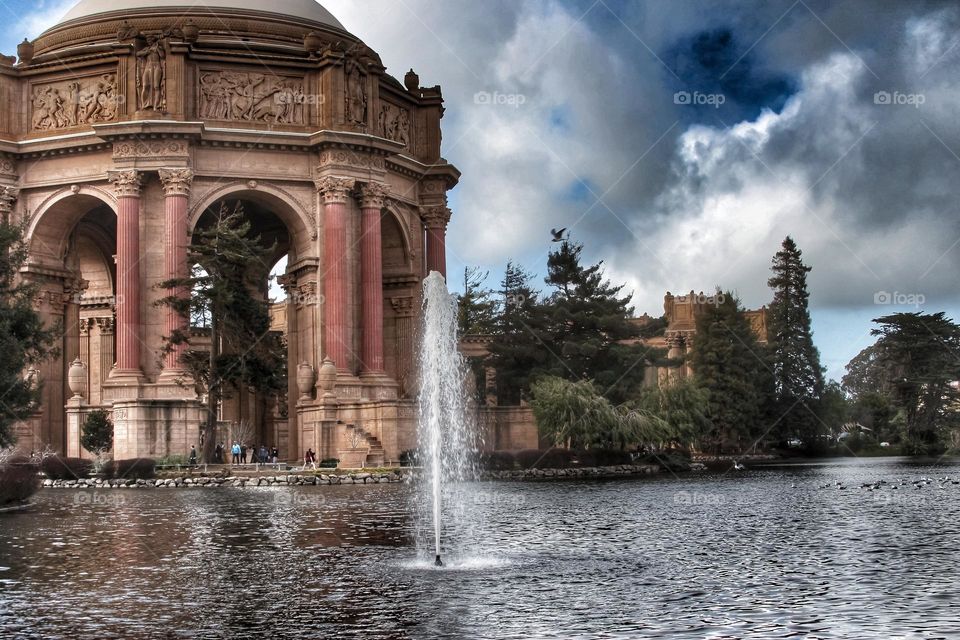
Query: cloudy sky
[681, 140]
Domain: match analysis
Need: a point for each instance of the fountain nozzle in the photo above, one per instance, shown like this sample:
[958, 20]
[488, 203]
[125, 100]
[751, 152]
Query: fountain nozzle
[437, 562]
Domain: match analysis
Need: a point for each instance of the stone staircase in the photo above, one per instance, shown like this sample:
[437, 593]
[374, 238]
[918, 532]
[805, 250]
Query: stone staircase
[360, 437]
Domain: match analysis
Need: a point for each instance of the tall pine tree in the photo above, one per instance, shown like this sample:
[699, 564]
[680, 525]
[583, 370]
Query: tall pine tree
[797, 374]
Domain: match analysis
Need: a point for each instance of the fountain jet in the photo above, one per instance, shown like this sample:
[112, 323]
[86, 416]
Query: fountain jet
[445, 433]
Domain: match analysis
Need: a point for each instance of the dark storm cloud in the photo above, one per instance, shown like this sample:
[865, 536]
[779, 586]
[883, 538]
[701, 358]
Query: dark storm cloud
[717, 63]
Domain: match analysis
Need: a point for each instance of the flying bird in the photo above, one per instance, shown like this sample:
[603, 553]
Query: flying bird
[558, 234]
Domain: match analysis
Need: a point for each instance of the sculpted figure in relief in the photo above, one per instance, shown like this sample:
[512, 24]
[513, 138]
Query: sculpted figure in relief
[151, 68]
[233, 95]
[68, 104]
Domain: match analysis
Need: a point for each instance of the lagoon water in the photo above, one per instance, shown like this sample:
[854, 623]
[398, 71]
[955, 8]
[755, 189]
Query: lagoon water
[764, 553]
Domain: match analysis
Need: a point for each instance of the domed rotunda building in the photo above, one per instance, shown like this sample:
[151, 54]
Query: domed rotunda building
[127, 123]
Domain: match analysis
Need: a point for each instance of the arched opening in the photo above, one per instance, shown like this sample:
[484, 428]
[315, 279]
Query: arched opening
[252, 417]
[72, 243]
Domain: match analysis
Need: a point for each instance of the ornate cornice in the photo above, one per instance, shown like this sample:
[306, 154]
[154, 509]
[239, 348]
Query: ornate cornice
[373, 195]
[176, 182]
[126, 184]
[335, 190]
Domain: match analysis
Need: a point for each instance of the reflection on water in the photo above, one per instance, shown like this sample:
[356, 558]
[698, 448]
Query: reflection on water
[767, 553]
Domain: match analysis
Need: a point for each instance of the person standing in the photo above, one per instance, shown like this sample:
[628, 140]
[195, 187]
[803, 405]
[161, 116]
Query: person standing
[275, 454]
[235, 450]
[193, 455]
[243, 454]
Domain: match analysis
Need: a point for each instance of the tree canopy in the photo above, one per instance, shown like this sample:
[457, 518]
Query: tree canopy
[24, 340]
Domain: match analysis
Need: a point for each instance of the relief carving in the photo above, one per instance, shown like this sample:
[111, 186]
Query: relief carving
[75, 102]
[394, 123]
[253, 97]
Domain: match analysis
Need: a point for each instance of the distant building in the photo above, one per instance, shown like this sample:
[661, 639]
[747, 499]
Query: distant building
[681, 313]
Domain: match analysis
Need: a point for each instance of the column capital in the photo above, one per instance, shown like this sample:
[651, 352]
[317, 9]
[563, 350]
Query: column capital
[126, 183]
[334, 189]
[402, 306]
[373, 195]
[176, 182]
[435, 217]
[8, 198]
[105, 324]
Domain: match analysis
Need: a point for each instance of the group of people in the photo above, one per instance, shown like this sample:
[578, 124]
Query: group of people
[239, 453]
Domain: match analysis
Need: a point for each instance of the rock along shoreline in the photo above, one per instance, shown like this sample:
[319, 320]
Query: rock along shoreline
[294, 479]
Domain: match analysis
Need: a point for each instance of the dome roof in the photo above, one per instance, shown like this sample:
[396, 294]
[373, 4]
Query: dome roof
[308, 10]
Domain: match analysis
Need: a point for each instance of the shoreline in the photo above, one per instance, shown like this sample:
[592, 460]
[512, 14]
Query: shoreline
[293, 478]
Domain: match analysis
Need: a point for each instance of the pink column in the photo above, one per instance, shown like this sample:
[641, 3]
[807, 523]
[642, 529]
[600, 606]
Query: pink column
[435, 221]
[335, 192]
[176, 190]
[371, 266]
[127, 188]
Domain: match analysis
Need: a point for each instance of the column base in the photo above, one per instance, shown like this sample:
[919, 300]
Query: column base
[379, 386]
[123, 384]
[176, 383]
[348, 386]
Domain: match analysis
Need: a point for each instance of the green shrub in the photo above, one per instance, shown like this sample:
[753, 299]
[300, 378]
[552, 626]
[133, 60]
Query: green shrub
[329, 463]
[670, 460]
[172, 460]
[97, 432]
[133, 469]
[57, 468]
[548, 459]
[497, 460]
[609, 457]
[18, 481]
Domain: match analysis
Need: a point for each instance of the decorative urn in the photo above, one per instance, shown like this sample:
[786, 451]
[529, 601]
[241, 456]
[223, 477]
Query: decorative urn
[328, 377]
[77, 378]
[25, 51]
[305, 378]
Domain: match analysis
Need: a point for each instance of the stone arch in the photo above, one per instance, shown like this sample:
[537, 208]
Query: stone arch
[394, 222]
[60, 213]
[284, 205]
